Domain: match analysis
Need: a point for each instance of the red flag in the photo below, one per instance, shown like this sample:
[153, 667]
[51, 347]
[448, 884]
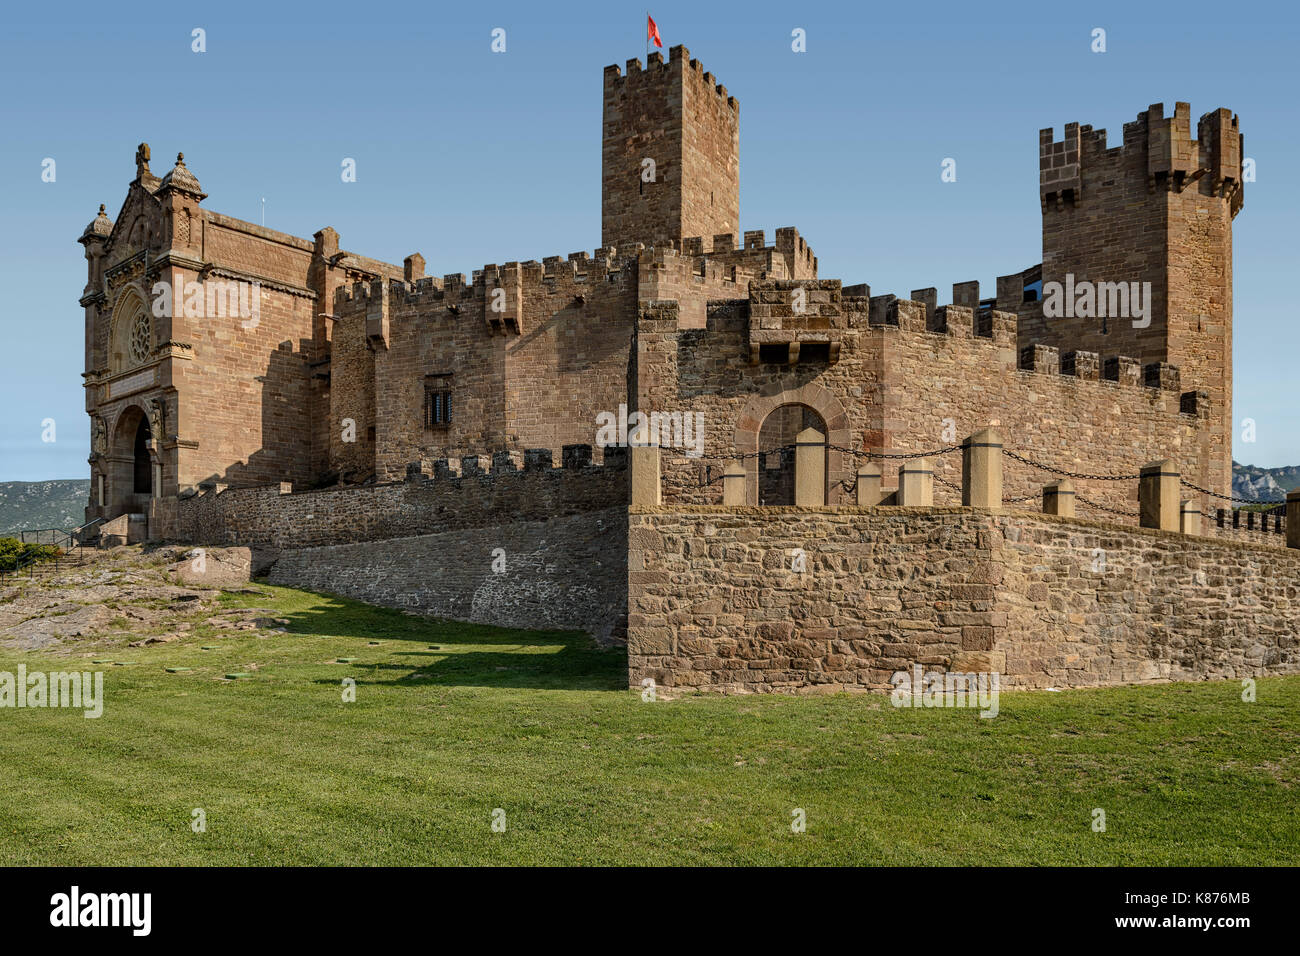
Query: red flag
[652, 32]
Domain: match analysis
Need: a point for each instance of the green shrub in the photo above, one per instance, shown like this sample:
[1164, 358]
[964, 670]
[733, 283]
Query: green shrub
[14, 554]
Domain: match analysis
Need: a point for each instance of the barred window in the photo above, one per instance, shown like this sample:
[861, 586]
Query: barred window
[437, 401]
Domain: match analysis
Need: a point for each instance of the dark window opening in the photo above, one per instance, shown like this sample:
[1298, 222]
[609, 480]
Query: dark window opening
[814, 352]
[778, 353]
[143, 477]
[437, 401]
[1033, 291]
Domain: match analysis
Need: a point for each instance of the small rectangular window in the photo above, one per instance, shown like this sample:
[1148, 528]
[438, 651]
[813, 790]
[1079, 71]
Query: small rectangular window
[437, 401]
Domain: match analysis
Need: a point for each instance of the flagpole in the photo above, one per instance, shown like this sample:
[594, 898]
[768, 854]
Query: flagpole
[647, 38]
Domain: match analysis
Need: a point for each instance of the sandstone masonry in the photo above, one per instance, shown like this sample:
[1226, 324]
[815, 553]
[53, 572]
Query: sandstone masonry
[379, 432]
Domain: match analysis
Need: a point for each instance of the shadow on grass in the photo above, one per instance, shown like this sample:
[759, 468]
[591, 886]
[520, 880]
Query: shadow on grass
[560, 660]
[571, 668]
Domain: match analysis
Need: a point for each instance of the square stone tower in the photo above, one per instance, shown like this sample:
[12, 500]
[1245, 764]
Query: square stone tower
[1157, 209]
[670, 164]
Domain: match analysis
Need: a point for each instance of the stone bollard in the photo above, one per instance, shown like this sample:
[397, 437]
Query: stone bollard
[1058, 498]
[981, 470]
[810, 468]
[1293, 519]
[733, 485]
[1158, 495]
[645, 476]
[869, 493]
[916, 484]
[1189, 518]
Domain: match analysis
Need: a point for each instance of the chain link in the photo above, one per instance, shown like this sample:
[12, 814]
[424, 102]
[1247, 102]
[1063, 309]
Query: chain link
[1215, 494]
[1006, 501]
[1099, 506]
[900, 456]
[1068, 474]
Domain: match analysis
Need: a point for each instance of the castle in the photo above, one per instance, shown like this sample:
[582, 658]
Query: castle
[305, 400]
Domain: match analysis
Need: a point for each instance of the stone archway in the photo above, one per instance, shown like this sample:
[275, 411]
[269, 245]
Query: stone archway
[819, 400]
[130, 464]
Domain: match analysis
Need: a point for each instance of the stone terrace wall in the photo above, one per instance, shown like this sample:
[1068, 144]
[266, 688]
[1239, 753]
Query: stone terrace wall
[567, 573]
[272, 518]
[713, 602]
[1162, 606]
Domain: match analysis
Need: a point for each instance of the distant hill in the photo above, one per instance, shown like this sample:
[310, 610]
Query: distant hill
[42, 504]
[1264, 484]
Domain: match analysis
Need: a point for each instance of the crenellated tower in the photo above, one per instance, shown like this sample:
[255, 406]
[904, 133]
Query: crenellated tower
[1157, 209]
[670, 161]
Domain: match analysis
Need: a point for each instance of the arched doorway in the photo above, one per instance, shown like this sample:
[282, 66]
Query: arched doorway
[821, 401]
[130, 464]
[776, 445]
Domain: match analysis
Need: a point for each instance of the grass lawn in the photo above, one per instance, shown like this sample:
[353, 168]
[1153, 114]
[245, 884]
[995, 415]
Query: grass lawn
[541, 725]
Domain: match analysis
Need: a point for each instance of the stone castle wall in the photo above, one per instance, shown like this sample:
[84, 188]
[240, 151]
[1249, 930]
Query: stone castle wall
[906, 381]
[715, 602]
[564, 573]
[273, 518]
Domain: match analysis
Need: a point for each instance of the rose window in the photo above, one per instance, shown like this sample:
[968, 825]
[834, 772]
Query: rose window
[140, 339]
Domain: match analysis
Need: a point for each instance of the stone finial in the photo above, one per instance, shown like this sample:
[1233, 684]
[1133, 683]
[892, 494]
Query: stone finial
[1158, 495]
[916, 483]
[868, 485]
[981, 471]
[100, 227]
[810, 468]
[142, 160]
[180, 178]
[1058, 498]
[646, 486]
[733, 485]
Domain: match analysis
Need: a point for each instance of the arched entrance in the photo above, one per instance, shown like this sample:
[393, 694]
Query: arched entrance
[775, 441]
[821, 402]
[130, 464]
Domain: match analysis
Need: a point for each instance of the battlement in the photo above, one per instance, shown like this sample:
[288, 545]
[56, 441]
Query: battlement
[670, 153]
[657, 72]
[717, 260]
[437, 496]
[955, 321]
[1161, 149]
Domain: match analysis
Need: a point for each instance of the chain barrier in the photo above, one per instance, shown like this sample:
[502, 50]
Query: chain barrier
[948, 449]
[1067, 474]
[1215, 494]
[1006, 501]
[1099, 506]
[895, 457]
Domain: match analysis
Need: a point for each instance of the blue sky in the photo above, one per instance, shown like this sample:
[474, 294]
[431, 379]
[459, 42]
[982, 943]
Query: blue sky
[470, 156]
